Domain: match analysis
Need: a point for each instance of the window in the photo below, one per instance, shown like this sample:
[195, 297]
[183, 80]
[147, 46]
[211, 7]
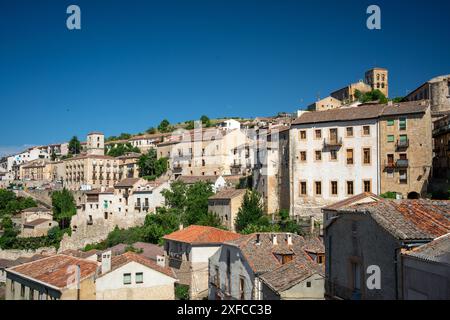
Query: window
[303, 156]
[367, 186]
[139, 277]
[302, 134]
[318, 187]
[303, 187]
[242, 288]
[308, 284]
[366, 130]
[127, 278]
[217, 278]
[349, 131]
[349, 187]
[356, 276]
[349, 156]
[390, 122]
[333, 135]
[31, 294]
[390, 138]
[22, 291]
[403, 176]
[402, 124]
[318, 134]
[318, 155]
[366, 155]
[333, 155]
[334, 188]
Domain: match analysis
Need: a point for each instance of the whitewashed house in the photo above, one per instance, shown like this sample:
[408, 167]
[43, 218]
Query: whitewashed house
[130, 276]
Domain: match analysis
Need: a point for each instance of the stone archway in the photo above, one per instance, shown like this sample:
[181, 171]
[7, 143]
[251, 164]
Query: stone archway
[413, 195]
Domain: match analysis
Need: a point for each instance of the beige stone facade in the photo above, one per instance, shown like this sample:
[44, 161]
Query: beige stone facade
[405, 152]
[42, 170]
[441, 139]
[325, 104]
[347, 94]
[226, 204]
[437, 90]
[377, 78]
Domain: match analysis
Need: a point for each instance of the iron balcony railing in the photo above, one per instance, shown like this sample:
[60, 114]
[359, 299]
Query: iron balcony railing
[335, 142]
[402, 163]
[402, 143]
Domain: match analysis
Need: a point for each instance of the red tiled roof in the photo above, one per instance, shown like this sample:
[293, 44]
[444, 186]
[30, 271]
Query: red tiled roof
[55, 270]
[123, 259]
[201, 235]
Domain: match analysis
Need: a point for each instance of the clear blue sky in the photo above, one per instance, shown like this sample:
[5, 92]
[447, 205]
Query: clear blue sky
[137, 62]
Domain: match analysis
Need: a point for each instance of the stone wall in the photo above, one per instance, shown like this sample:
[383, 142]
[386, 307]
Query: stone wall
[14, 254]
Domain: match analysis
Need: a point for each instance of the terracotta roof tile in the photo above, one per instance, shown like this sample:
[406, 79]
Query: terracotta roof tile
[201, 235]
[55, 270]
[228, 194]
[437, 250]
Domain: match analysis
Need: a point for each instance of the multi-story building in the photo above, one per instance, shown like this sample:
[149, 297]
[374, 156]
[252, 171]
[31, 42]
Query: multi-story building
[333, 155]
[92, 170]
[441, 148]
[365, 237]
[42, 170]
[405, 148]
[210, 151]
[271, 173]
[338, 153]
[437, 90]
[266, 266]
[377, 78]
[188, 250]
[125, 205]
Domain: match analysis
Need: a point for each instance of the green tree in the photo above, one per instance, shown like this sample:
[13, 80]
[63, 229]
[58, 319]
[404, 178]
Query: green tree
[251, 211]
[64, 207]
[150, 167]
[151, 130]
[189, 125]
[389, 195]
[205, 121]
[164, 126]
[120, 149]
[374, 95]
[74, 145]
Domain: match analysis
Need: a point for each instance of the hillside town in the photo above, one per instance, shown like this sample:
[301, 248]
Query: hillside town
[346, 198]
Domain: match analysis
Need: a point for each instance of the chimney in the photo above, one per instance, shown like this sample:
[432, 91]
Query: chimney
[274, 239]
[311, 230]
[289, 239]
[180, 227]
[390, 103]
[106, 262]
[78, 279]
[161, 261]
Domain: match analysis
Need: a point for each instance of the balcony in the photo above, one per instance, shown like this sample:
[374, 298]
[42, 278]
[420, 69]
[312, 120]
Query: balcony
[402, 144]
[177, 167]
[145, 207]
[389, 165]
[402, 163]
[137, 206]
[330, 143]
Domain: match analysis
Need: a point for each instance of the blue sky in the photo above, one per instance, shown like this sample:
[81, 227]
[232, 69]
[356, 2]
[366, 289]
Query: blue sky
[134, 63]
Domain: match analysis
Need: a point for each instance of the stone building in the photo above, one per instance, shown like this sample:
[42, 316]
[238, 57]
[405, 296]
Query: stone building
[42, 170]
[58, 277]
[125, 205]
[271, 174]
[366, 235]
[226, 204]
[437, 90]
[347, 93]
[325, 104]
[188, 251]
[374, 148]
[208, 151]
[35, 222]
[267, 266]
[406, 151]
[441, 148]
[333, 155]
[377, 78]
